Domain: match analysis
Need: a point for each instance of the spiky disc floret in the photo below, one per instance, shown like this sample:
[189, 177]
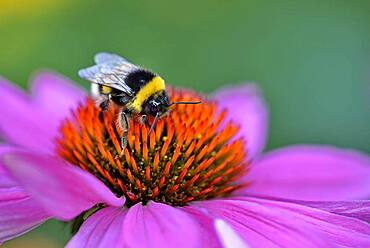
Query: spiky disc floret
[188, 156]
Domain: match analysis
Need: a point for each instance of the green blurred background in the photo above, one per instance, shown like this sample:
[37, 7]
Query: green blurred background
[311, 58]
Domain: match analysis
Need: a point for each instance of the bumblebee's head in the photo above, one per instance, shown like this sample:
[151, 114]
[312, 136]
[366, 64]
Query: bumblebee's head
[157, 104]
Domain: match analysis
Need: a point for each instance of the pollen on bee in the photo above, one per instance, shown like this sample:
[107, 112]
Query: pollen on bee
[192, 153]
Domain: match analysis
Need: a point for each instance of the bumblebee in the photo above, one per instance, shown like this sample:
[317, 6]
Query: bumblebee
[133, 89]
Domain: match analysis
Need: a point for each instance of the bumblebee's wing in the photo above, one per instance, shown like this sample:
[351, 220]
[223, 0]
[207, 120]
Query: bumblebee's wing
[103, 57]
[111, 70]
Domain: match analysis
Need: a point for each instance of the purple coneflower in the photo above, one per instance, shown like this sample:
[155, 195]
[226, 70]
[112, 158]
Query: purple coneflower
[198, 180]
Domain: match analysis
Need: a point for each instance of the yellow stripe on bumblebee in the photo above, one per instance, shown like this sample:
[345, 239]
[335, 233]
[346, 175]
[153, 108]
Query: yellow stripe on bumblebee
[106, 89]
[153, 86]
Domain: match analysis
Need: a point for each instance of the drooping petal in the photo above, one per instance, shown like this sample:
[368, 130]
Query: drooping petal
[20, 123]
[246, 106]
[267, 223]
[63, 190]
[258, 226]
[311, 173]
[160, 225]
[154, 225]
[103, 229]
[55, 95]
[209, 236]
[33, 121]
[356, 209]
[19, 213]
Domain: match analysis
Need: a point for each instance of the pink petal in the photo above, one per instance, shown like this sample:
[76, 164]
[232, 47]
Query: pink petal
[160, 225]
[356, 209]
[33, 122]
[227, 235]
[311, 173]
[154, 225]
[49, 87]
[267, 223]
[209, 237]
[103, 229]
[20, 123]
[246, 106]
[257, 226]
[18, 212]
[63, 190]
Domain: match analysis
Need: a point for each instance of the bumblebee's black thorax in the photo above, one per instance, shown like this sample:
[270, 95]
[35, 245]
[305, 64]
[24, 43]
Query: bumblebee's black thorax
[138, 79]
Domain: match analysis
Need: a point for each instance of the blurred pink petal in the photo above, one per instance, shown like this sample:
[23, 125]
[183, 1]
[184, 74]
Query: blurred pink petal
[49, 87]
[18, 212]
[264, 223]
[246, 106]
[311, 173]
[63, 190]
[20, 123]
[33, 121]
[102, 229]
[159, 225]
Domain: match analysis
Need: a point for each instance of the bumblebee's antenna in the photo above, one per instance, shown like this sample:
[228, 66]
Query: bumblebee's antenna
[152, 126]
[173, 103]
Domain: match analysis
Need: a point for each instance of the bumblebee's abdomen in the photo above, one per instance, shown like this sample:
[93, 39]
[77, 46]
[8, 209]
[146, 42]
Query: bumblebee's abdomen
[153, 86]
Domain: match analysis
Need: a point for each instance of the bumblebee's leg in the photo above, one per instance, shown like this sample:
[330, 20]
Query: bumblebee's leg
[104, 105]
[123, 123]
[144, 120]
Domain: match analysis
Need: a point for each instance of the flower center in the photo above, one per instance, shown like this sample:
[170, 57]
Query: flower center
[188, 156]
